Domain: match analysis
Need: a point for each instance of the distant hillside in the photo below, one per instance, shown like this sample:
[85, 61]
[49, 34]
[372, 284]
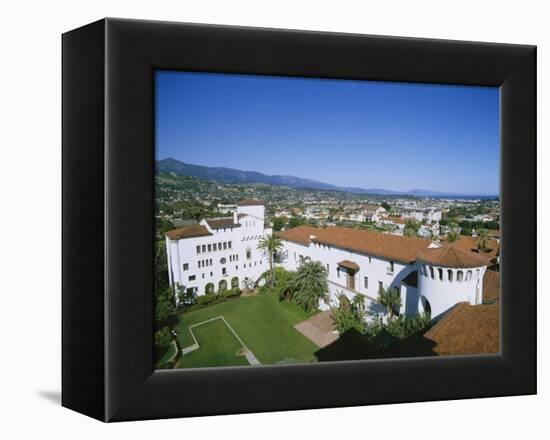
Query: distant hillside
[231, 175]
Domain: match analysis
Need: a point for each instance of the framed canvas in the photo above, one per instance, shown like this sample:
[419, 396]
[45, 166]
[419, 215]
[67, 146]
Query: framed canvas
[234, 239]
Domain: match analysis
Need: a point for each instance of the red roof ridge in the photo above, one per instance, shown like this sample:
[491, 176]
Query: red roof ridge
[189, 231]
[449, 256]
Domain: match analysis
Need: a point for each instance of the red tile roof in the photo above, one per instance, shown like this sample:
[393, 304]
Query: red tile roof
[467, 329]
[468, 244]
[450, 256]
[347, 264]
[391, 247]
[189, 231]
[224, 222]
[491, 286]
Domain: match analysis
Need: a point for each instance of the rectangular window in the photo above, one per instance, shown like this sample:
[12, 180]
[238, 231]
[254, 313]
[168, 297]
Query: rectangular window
[366, 279]
[209, 248]
[200, 264]
[328, 269]
[337, 272]
[224, 245]
[380, 286]
[229, 245]
[185, 266]
[248, 254]
[203, 275]
[203, 248]
[198, 249]
[192, 278]
[391, 267]
[210, 261]
[215, 246]
[236, 267]
[224, 271]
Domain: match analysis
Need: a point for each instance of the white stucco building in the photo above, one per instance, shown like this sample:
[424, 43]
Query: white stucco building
[218, 253]
[429, 278]
[427, 215]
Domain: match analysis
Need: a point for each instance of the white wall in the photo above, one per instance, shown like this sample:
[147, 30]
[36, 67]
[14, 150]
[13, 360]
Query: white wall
[375, 268]
[443, 294]
[243, 238]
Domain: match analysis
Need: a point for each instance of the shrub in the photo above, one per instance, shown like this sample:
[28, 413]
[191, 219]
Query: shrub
[232, 293]
[163, 337]
[206, 299]
[349, 314]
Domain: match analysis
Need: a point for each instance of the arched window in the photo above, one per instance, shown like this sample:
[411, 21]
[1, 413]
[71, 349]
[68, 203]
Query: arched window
[440, 273]
[450, 275]
[424, 270]
[431, 272]
[468, 275]
[459, 276]
[427, 308]
[234, 282]
[222, 286]
[209, 288]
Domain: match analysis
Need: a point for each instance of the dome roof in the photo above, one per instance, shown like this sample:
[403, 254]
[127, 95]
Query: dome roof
[449, 256]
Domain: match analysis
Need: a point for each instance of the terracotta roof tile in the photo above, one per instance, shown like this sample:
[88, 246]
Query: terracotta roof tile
[468, 244]
[299, 234]
[467, 329]
[224, 222]
[391, 247]
[189, 231]
[347, 264]
[450, 256]
[491, 286]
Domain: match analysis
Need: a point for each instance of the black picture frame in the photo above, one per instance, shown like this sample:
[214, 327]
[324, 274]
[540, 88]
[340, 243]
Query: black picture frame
[108, 172]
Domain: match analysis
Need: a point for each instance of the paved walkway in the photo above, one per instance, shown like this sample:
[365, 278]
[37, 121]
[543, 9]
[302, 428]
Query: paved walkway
[318, 329]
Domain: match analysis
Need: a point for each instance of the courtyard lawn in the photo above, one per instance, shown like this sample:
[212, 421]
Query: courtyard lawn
[265, 325]
[218, 346]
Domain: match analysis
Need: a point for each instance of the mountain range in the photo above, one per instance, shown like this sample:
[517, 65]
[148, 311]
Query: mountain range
[231, 175]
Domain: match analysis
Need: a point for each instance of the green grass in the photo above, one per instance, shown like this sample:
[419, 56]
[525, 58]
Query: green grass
[218, 346]
[264, 324]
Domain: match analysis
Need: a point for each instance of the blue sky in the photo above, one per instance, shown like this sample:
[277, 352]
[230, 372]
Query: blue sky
[367, 134]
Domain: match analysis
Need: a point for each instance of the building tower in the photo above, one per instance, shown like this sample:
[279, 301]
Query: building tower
[447, 276]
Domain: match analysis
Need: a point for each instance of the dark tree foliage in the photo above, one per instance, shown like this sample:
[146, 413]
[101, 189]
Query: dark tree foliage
[160, 266]
[279, 223]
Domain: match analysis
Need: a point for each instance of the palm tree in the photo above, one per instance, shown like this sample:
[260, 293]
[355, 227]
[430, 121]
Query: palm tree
[390, 299]
[453, 233]
[270, 244]
[310, 284]
[482, 239]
